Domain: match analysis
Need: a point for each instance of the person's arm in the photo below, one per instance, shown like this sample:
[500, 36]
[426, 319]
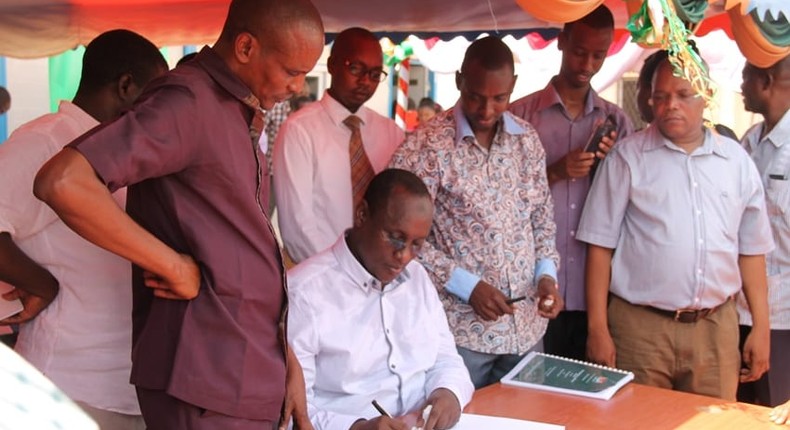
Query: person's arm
[295, 405]
[292, 162]
[756, 349]
[575, 164]
[600, 347]
[70, 186]
[35, 285]
[303, 335]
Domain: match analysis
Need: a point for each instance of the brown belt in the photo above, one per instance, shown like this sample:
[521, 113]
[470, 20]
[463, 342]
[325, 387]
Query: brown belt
[687, 315]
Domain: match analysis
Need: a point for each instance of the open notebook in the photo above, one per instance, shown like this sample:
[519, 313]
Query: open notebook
[563, 375]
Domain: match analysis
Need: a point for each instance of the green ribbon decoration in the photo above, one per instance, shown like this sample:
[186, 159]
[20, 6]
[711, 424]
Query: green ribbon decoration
[690, 10]
[640, 25]
[399, 53]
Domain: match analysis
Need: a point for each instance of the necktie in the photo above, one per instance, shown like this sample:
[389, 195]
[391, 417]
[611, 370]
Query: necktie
[361, 169]
[257, 123]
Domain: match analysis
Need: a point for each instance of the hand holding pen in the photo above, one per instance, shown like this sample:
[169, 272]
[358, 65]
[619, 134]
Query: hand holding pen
[383, 422]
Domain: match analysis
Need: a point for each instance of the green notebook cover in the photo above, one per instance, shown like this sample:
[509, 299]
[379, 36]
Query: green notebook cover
[559, 374]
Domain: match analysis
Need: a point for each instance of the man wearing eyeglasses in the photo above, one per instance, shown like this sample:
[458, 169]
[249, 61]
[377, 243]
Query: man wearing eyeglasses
[685, 211]
[326, 153]
[366, 323]
[492, 243]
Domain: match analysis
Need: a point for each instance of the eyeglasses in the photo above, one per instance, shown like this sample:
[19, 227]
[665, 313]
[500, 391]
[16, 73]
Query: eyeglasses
[399, 244]
[358, 69]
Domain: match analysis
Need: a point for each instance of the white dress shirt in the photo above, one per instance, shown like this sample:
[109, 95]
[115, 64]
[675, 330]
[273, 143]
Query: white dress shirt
[771, 154]
[82, 341]
[312, 172]
[357, 343]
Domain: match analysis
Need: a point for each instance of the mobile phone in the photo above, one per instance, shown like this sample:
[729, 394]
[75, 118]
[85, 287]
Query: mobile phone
[609, 125]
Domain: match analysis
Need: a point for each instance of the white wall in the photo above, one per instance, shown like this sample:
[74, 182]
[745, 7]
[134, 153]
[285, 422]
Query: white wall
[28, 83]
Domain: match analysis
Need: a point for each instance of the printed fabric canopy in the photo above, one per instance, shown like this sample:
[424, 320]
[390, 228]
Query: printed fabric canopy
[40, 28]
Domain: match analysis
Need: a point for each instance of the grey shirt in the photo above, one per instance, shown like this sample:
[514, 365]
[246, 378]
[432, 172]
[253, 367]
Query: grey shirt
[678, 221]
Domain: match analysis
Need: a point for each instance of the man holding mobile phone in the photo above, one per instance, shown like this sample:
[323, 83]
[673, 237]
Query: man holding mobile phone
[566, 114]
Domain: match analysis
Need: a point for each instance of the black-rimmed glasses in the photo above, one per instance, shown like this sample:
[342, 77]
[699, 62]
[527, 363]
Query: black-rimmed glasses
[358, 69]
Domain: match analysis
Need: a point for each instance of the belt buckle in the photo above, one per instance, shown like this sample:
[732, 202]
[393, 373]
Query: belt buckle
[686, 315]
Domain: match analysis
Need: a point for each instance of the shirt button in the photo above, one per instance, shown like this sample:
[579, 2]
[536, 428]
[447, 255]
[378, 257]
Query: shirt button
[387, 330]
[699, 212]
[699, 271]
[573, 179]
[392, 365]
[695, 185]
[573, 232]
[573, 205]
[571, 260]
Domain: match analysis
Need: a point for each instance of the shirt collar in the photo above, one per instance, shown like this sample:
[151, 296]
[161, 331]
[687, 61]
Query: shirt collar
[712, 143]
[780, 133]
[216, 68]
[550, 97]
[338, 113]
[358, 274]
[463, 129]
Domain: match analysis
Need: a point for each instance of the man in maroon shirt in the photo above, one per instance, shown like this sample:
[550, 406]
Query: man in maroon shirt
[196, 228]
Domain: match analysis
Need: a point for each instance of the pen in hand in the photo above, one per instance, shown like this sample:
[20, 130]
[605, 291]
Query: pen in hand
[381, 410]
[515, 300]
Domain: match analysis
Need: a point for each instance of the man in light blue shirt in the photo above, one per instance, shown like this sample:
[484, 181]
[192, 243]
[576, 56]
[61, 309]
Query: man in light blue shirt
[685, 210]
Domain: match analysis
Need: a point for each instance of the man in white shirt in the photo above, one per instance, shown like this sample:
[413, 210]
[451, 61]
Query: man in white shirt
[312, 166]
[366, 322]
[767, 91]
[82, 340]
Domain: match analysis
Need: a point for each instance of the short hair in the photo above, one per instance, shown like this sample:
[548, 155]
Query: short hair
[490, 52]
[600, 18]
[429, 103]
[266, 19]
[5, 100]
[380, 188]
[346, 40]
[649, 67]
[115, 52]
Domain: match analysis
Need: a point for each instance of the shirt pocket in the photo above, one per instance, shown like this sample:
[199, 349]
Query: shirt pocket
[777, 194]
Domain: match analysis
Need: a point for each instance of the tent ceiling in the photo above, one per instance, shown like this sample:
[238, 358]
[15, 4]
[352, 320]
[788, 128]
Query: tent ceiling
[36, 28]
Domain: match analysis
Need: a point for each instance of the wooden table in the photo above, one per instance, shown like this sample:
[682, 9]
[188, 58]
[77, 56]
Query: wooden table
[635, 406]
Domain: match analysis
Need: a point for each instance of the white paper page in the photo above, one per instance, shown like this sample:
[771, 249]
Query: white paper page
[8, 308]
[478, 422]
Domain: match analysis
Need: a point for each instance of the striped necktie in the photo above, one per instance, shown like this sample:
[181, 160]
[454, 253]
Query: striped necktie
[257, 123]
[361, 169]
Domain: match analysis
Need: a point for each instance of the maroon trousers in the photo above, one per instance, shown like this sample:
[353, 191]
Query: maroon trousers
[162, 411]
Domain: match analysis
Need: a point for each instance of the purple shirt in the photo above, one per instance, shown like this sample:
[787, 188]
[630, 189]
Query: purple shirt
[198, 182]
[559, 135]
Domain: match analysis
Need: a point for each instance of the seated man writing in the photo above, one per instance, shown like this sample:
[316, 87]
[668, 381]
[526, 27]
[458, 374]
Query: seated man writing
[366, 322]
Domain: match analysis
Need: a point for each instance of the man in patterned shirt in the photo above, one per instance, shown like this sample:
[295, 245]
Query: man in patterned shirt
[493, 233]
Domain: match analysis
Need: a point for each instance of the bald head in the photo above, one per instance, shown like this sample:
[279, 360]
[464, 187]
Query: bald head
[271, 45]
[490, 53]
